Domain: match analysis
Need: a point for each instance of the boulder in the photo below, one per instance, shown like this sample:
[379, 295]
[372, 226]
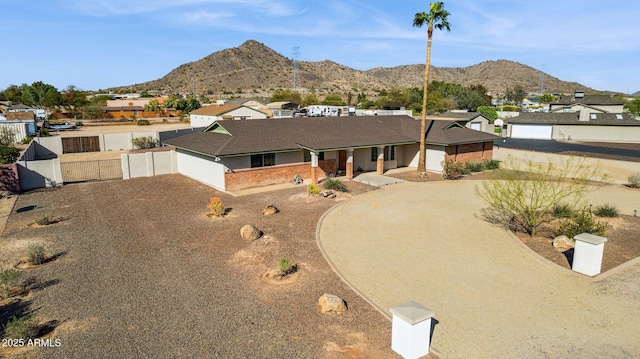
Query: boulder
[331, 304]
[297, 179]
[269, 210]
[563, 242]
[326, 193]
[250, 233]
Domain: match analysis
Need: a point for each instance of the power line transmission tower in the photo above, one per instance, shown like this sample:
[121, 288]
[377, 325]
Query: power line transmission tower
[542, 70]
[295, 71]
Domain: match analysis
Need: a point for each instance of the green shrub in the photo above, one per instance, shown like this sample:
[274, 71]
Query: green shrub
[285, 266]
[8, 279]
[313, 189]
[454, 170]
[474, 166]
[46, 219]
[143, 123]
[144, 142]
[25, 141]
[607, 210]
[79, 123]
[334, 184]
[35, 254]
[562, 211]
[24, 327]
[634, 180]
[492, 164]
[8, 154]
[582, 222]
[44, 132]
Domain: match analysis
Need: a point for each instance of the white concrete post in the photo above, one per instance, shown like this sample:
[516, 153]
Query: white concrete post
[150, 164]
[587, 254]
[126, 172]
[411, 330]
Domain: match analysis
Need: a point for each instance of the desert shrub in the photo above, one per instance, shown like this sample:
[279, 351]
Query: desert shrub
[145, 142]
[35, 254]
[474, 166]
[8, 279]
[8, 154]
[25, 327]
[634, 180]
[563, 211]
[313, 189]
[607, 210]
[335, 184]
[143, 122]
[44, 132]
[285, 266]
[582, 222]
[491, 164]
[216, 206]
[46, 219]
[25, 141]
[453, 170]
[79, 123]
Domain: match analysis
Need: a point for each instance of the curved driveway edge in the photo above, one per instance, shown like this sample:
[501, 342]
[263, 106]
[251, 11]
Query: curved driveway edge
[427, 242]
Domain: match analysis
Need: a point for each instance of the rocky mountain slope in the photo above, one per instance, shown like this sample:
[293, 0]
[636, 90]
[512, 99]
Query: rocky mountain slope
[254, 67]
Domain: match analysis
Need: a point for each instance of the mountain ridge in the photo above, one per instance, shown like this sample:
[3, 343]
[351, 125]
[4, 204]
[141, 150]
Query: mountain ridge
[254, 67]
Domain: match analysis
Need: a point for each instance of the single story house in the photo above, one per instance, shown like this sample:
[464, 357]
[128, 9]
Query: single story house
[473, 120]
[592, 103]
[579, 126]
[232, 155]
[205, 116]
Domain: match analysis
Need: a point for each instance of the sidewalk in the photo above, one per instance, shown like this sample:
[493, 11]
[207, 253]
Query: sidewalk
[493, 297]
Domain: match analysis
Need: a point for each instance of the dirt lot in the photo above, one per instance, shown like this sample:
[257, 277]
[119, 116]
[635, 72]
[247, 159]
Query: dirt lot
[139, 270]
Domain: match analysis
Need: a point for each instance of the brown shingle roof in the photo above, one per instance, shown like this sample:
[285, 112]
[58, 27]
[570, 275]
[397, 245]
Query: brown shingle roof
[587, 100]
[214, 110]
[325, 133]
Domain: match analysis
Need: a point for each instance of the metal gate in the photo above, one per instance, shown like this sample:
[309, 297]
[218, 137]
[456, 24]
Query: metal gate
[80, 144]
[84, 171]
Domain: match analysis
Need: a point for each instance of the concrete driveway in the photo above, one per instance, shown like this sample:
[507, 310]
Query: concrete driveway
[493, 297]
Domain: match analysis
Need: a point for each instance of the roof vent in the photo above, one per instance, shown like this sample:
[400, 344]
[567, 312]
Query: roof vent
[578, 94]
[593, 116]
[618, 116]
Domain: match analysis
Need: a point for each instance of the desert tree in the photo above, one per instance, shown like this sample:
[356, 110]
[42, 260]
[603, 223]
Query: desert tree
[526, 192]
[436, 18]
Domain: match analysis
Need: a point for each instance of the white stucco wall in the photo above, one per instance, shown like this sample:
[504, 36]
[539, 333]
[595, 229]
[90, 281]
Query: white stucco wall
[202, 170]
[39, 174]
[411, 154]
[53, 143]
[597, 133]
[202, 120]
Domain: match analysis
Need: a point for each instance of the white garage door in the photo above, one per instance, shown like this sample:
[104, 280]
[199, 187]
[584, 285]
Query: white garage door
[476, 126]
[537, 132]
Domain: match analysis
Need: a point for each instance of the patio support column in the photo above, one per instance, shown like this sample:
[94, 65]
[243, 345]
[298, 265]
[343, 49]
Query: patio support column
[349, 164]
[380, 164]
[314, 167]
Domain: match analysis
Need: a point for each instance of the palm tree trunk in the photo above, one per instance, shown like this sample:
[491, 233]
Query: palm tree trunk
[423, 122]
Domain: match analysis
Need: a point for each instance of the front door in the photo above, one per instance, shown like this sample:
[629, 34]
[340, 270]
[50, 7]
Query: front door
[342, 160]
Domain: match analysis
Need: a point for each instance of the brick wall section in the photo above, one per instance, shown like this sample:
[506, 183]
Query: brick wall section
[473, 152]
[263, 176]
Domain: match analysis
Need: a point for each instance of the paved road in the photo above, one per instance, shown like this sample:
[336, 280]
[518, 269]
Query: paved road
[559, 147]
[493, 297]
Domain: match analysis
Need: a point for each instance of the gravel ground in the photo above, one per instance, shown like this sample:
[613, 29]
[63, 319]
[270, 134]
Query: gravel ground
[141, 271]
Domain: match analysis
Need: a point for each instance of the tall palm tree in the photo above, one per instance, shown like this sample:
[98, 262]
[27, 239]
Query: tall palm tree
[435, 18]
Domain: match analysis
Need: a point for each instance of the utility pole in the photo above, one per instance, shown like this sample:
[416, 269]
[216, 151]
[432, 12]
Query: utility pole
[295, 72]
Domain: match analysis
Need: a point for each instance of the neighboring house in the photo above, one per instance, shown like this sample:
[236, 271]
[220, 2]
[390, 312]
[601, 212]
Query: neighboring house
[473, 120]
[232, 155]
[578, 117]
[614, 127]
[205, 116]
[592, 103]
[255, 103]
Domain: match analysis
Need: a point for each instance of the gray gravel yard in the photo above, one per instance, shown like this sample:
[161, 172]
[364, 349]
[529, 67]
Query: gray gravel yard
[141, 271]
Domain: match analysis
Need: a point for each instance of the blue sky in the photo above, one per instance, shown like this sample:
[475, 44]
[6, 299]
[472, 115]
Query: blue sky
[96, 44]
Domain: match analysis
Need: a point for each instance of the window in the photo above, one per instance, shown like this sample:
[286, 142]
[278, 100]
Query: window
[389, 153]
[263, 160]
[307, 156]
